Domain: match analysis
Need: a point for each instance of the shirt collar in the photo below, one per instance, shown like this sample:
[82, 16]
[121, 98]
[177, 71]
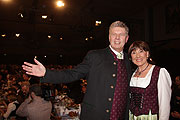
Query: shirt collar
[116, 51]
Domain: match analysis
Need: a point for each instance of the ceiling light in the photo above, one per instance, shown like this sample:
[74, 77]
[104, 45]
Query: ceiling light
[98, 23]
[3, 35]
[17, 35]
[60, 3]
[20, 15]
[49, 36]
[86, 39]
[44, 16]
[61, 38]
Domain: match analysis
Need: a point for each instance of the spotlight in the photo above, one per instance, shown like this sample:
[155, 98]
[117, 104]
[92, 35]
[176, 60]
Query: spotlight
[6, 0]
[60, 3]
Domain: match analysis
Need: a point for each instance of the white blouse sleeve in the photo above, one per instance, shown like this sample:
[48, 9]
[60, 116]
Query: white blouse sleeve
[164, 94]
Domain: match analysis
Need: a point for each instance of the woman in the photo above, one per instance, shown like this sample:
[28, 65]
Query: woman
[11, 107]
[175, 100]
[150, 86]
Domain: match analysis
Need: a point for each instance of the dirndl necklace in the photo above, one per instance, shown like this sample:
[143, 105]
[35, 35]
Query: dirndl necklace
[139, 72]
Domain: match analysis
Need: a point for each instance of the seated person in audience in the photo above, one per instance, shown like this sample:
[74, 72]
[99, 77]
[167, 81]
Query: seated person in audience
[24, 92]
[35, 107]
[17, 88]
[75, 91]
[175, 101]
[12, 90]
[1, 80]
[26, 77]
[11, 107]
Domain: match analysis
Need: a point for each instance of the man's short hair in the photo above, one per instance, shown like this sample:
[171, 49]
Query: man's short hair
[119, 24]
[25, 83]
[36, 88]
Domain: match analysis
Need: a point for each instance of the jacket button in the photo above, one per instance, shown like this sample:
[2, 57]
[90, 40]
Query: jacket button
[107, 111]
[109, 99]
[112, 86]
[114, 75]
[114, 63]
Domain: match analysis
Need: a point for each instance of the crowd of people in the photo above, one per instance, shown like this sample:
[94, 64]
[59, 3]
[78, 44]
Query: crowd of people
[175, 99]
[16, 87]
[14, 91]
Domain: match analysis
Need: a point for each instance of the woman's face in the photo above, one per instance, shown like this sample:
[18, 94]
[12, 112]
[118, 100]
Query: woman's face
[9, 99]
[177, 80]
[139, 57]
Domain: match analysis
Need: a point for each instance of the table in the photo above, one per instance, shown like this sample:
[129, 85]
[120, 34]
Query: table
[66, 112]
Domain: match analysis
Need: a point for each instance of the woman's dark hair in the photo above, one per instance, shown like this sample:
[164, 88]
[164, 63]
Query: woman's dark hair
[141, 45]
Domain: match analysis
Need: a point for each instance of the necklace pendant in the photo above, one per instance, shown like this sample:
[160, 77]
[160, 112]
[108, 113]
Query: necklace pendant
[139, 73]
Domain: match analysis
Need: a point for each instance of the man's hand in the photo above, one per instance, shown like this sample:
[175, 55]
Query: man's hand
[34, 69]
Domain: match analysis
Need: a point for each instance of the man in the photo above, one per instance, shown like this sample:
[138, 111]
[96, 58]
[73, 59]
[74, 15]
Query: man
[107, 77]
[35, 107]
[23, 92]
[12, 106]
[26, 77]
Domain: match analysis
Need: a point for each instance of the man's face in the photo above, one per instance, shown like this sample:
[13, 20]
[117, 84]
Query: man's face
[0, 77]
[117, 38]
[25, 89]
[25, 77]
[177, 80]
